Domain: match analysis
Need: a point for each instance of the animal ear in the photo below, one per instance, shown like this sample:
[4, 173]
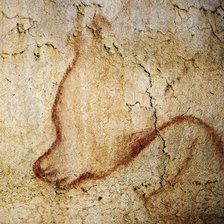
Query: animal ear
[100, 23]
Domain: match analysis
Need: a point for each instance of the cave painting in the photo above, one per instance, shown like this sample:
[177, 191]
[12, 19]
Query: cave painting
[96, 133]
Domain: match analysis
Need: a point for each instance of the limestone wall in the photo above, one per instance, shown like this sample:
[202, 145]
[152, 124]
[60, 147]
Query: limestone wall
[111, 111]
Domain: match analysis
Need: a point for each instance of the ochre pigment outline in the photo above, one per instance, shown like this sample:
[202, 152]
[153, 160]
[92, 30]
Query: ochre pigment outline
[136, 148]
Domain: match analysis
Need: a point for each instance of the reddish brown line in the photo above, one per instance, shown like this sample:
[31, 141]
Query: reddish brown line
[136, 147]
[140, 144]
[180, 172]
[56, 120]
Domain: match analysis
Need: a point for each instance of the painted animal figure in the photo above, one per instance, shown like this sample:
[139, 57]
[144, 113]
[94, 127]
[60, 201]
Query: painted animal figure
[95, 130]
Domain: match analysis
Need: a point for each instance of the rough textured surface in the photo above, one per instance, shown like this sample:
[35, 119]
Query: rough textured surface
[112, 111]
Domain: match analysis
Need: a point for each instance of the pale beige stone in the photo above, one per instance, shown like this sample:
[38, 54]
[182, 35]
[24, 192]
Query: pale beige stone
[128, 68]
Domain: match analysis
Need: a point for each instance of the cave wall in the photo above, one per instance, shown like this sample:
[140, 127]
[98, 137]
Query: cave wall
[111, 111]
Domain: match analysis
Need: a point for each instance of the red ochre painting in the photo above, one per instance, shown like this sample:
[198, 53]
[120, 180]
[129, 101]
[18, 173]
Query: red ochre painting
[88, 110]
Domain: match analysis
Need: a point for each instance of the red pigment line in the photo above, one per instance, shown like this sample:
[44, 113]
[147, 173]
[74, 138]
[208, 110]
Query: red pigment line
[56, 120]
[216, 139]
[177, 177]
[141, 144]
[137, 148]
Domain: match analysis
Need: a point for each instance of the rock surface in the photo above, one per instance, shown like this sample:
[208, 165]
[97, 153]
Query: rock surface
[112, 111]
